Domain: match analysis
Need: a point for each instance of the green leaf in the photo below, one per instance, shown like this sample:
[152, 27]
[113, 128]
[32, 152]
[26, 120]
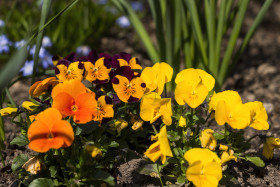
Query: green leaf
[114, 144]
[181, 179]
[41, 182]
[53, 171]
[20, 140]
[146, 169]
[104, 176]
[19, 161]
[218, 136]
[256, 160]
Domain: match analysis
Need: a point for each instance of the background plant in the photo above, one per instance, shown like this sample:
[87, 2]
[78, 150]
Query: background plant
[194, 31]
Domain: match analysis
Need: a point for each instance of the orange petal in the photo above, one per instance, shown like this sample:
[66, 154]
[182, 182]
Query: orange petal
[38, 130]
[63, 102]
[120, 86]
[86, 104]
[73, 88]
[63, 130]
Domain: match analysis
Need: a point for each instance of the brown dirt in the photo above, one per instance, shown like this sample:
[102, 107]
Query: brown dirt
[257, 77]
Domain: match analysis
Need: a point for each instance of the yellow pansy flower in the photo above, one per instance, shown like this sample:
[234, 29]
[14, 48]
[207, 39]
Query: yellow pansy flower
[103, 109]
[258, 115]
[155, 77]
[228, 156]
[8, 111]
[128, 90]
[204, 167]
[229, 109]
[136, 122]
[120, 125]
[132, 63]
[160, 148]
[93, 150]
[269, 146]
[153, 107]
[97, 71]
[192, 87]
[207, 139]
[72, 72]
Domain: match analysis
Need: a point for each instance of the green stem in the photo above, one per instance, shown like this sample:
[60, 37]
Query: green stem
[208, 117]
[225, 133]
[10, 97]
[159, 176]
[155, 130]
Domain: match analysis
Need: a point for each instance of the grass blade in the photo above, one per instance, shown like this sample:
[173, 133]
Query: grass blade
[44, 15]
[251, 32]
[232, 41]
[135, 21]
[157, 15]
[197, 30]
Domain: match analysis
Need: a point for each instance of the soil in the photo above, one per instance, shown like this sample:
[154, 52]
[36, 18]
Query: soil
[257, 77]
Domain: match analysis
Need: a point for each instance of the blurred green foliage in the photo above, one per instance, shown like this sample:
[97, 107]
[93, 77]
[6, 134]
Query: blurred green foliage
[84, 24]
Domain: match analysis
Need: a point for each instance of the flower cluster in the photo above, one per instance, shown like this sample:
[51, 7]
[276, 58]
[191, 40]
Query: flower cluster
[97, 103]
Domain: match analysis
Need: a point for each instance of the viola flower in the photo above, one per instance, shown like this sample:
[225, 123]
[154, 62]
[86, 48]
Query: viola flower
[155, 77]
[40, 87]
[160, 148]
[83, 50]
[133, 63]
[104, 109]
[192, 87]
[258, 115]
[269, 146]
[49, 131]
[71, 99]
[137, 123]
[73, 71]
[28, 105]
[93, 150]
[128, 90]
[207, 139]
[33, 165]
[228, 156]
[182, 121]
[123, 22]
[153, 107]
[229, 109]
[8, 111]
[27, 69]
[204, 167]
[119, 125]
[97, 71]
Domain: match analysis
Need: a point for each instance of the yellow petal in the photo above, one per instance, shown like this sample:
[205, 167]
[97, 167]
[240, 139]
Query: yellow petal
[7, 111]
[232, 98]
[28, 105]
[187, 75]
[182, 121]
[149, 77]
[133, 64]
[240, 117]
[166, 111]
[207, 80]
[164, 143]
[164, 69]
[192, 94]
[201, 154]
[258, 115]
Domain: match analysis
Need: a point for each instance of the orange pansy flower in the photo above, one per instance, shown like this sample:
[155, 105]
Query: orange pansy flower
[40, 87]
[97, 71]
[128, 91]
[71, 99]
[49, 131]
[103, 110]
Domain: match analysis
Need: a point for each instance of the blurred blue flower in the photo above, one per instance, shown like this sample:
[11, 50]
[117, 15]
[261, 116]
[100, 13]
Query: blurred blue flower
[46, 42]
[42, 52]
[4, 44]
[27, 69]
[19, 44]
[102, 2]
[137, 6]
[123, 22]
[83, 50]
[2, 23]
[47, 61]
